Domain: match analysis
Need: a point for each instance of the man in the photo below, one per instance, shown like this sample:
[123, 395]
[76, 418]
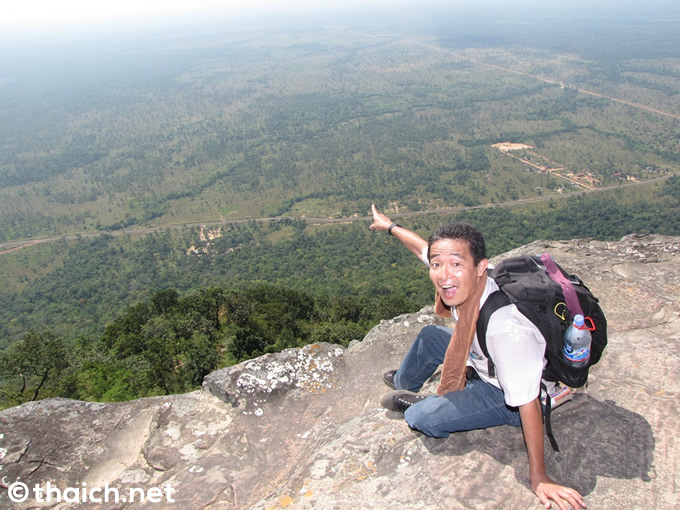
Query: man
[467, 396]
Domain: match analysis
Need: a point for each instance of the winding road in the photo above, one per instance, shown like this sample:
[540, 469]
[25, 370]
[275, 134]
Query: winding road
[11, 246]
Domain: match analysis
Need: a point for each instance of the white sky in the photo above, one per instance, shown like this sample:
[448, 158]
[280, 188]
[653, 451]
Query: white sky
[20, 15]
[27, 14]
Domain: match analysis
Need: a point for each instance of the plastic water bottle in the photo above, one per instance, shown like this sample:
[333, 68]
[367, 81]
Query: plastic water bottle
[577, 340]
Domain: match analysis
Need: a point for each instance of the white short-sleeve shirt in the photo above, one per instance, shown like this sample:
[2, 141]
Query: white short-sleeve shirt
[517, 349]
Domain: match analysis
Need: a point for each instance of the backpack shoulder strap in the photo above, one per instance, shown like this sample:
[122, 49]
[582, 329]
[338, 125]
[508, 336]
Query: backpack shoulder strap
[553, 271]
[495, 301]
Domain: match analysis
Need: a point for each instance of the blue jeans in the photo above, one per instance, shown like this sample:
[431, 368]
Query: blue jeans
[480, 405]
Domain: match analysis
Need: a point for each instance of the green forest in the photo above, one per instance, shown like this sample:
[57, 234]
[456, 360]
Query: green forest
[247, 295]
[317, 121]
[173, 203]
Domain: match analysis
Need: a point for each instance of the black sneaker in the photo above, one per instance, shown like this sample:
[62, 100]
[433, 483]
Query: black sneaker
[400, 400]
[388, 378]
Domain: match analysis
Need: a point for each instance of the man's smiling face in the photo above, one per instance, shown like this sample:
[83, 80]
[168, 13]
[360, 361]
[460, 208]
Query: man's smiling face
[453, 271]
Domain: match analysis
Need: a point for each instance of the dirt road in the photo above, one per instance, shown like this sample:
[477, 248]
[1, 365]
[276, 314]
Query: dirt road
[11, 246]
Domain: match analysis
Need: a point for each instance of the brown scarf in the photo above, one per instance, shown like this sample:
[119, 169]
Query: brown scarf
[455, 360]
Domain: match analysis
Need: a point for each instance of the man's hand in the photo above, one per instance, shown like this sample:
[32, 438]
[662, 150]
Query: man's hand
[547, 490]
[412, 241]
[380, 221]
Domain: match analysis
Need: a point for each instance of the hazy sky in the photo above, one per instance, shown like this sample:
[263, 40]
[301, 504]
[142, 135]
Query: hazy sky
[28, 15]
[24, 14]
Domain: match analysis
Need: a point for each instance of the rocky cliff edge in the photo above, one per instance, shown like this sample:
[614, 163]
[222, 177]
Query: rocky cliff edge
[303, 429]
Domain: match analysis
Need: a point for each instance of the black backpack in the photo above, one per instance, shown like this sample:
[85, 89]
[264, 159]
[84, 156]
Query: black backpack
[542, 298]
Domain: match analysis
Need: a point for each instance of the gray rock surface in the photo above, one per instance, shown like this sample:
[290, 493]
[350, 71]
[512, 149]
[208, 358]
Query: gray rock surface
[303, 429]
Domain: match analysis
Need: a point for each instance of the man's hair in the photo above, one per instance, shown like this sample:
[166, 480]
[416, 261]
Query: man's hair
[463, 232]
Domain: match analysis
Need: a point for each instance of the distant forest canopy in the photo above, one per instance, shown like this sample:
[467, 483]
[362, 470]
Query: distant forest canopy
[316, 119]
[117, 318]
[79, 287]
[126, 143]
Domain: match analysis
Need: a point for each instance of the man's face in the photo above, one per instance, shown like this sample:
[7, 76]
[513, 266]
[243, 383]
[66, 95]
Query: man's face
[453, 271]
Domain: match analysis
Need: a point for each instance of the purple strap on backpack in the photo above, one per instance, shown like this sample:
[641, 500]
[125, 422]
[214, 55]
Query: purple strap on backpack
[569, 293]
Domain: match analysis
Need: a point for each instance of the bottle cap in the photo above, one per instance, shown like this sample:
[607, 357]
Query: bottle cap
[579, 321]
